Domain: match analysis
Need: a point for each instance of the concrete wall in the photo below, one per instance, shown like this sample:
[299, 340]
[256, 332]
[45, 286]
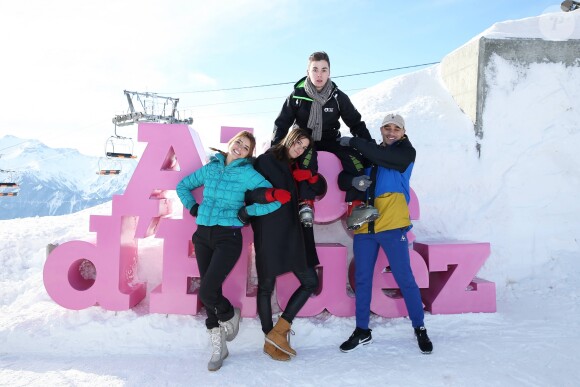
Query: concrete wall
[521, 52]
[463, 70]
[459, 71]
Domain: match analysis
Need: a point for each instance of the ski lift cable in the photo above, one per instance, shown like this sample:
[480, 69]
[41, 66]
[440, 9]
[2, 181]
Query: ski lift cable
[50, 157]
[247, 113]
[57, 155]
[253, 100]
[292, 82]
[57, 136]
[243, 87]
[246, 87]
[79, 201]
[238, 114]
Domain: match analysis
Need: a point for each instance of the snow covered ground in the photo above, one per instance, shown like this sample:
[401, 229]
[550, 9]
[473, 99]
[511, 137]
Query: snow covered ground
[521, 196]
[531, 340]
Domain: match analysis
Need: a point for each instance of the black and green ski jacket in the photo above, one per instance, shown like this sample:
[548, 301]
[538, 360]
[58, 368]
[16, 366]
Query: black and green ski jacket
[296, 110]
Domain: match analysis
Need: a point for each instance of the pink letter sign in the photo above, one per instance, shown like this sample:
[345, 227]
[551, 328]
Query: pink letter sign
[444, 271]
[452, 269]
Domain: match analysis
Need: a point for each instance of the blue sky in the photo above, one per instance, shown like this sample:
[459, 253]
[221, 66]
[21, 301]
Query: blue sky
[70, 61]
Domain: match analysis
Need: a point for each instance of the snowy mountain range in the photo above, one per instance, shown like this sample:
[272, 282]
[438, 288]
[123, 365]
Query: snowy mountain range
[55, 181]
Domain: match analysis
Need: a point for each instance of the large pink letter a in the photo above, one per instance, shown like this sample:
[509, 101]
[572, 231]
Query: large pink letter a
[135, 215]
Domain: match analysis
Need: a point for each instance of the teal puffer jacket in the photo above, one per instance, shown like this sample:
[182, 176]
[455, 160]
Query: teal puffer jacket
[224, 190]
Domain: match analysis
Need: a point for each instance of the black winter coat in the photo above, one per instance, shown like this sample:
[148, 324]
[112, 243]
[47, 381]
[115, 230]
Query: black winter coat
[296, 110]
[282, 244]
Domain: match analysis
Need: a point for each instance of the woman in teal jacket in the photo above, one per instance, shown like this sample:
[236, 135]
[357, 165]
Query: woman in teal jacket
[218, 238]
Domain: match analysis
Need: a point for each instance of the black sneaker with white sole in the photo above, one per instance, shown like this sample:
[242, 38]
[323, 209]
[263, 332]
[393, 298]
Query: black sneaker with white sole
[359, 337]
[425, 345]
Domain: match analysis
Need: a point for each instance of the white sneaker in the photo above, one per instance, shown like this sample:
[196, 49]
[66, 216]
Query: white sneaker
[217, 338]
[232, 326]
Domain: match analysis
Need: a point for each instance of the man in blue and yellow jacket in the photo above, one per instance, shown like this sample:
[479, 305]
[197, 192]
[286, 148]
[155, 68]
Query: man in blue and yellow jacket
[386, 184]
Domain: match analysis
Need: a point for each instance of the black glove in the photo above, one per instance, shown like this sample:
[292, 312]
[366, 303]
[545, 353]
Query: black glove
[257, 195]
[243, 216]
[345, 141]
[193, 210]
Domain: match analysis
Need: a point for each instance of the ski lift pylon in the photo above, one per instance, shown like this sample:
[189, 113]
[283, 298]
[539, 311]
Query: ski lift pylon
[153, 108]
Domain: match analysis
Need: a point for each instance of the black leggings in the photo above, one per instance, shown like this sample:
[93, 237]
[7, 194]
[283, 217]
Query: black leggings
[308, 285]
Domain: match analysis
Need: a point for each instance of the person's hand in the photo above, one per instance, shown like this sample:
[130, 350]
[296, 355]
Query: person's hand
[281, 195]
[302, 174]
[243, 216]
[362, 183]
[193, 210]
[345, 141]
[305, 174]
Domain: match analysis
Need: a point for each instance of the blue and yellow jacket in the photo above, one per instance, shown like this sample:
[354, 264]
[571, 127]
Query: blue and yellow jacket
[224, 190]
[390, 191]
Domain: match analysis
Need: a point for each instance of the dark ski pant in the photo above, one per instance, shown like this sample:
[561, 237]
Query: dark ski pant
[395, 245]
[308, 285]
[217, 249]
[352, 163]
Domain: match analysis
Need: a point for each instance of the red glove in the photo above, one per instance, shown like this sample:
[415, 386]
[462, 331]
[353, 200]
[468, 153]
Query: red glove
[313, 179]
[301, 174]
[281, 195]
[304, 174]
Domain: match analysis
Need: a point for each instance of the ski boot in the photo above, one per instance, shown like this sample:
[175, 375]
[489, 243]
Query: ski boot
[359, 213]
[306, 212]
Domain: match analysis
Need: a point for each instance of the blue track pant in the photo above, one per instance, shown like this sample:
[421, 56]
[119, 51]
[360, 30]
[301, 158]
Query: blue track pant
[396, 247]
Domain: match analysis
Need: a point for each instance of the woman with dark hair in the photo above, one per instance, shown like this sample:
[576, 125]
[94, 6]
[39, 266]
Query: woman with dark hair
[282, 243]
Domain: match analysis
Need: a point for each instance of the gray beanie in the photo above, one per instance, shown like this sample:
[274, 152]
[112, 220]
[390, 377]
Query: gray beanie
[393, 118]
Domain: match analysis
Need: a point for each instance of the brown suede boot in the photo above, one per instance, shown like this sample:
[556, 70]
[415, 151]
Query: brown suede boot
[278, 337]
[275, 353]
